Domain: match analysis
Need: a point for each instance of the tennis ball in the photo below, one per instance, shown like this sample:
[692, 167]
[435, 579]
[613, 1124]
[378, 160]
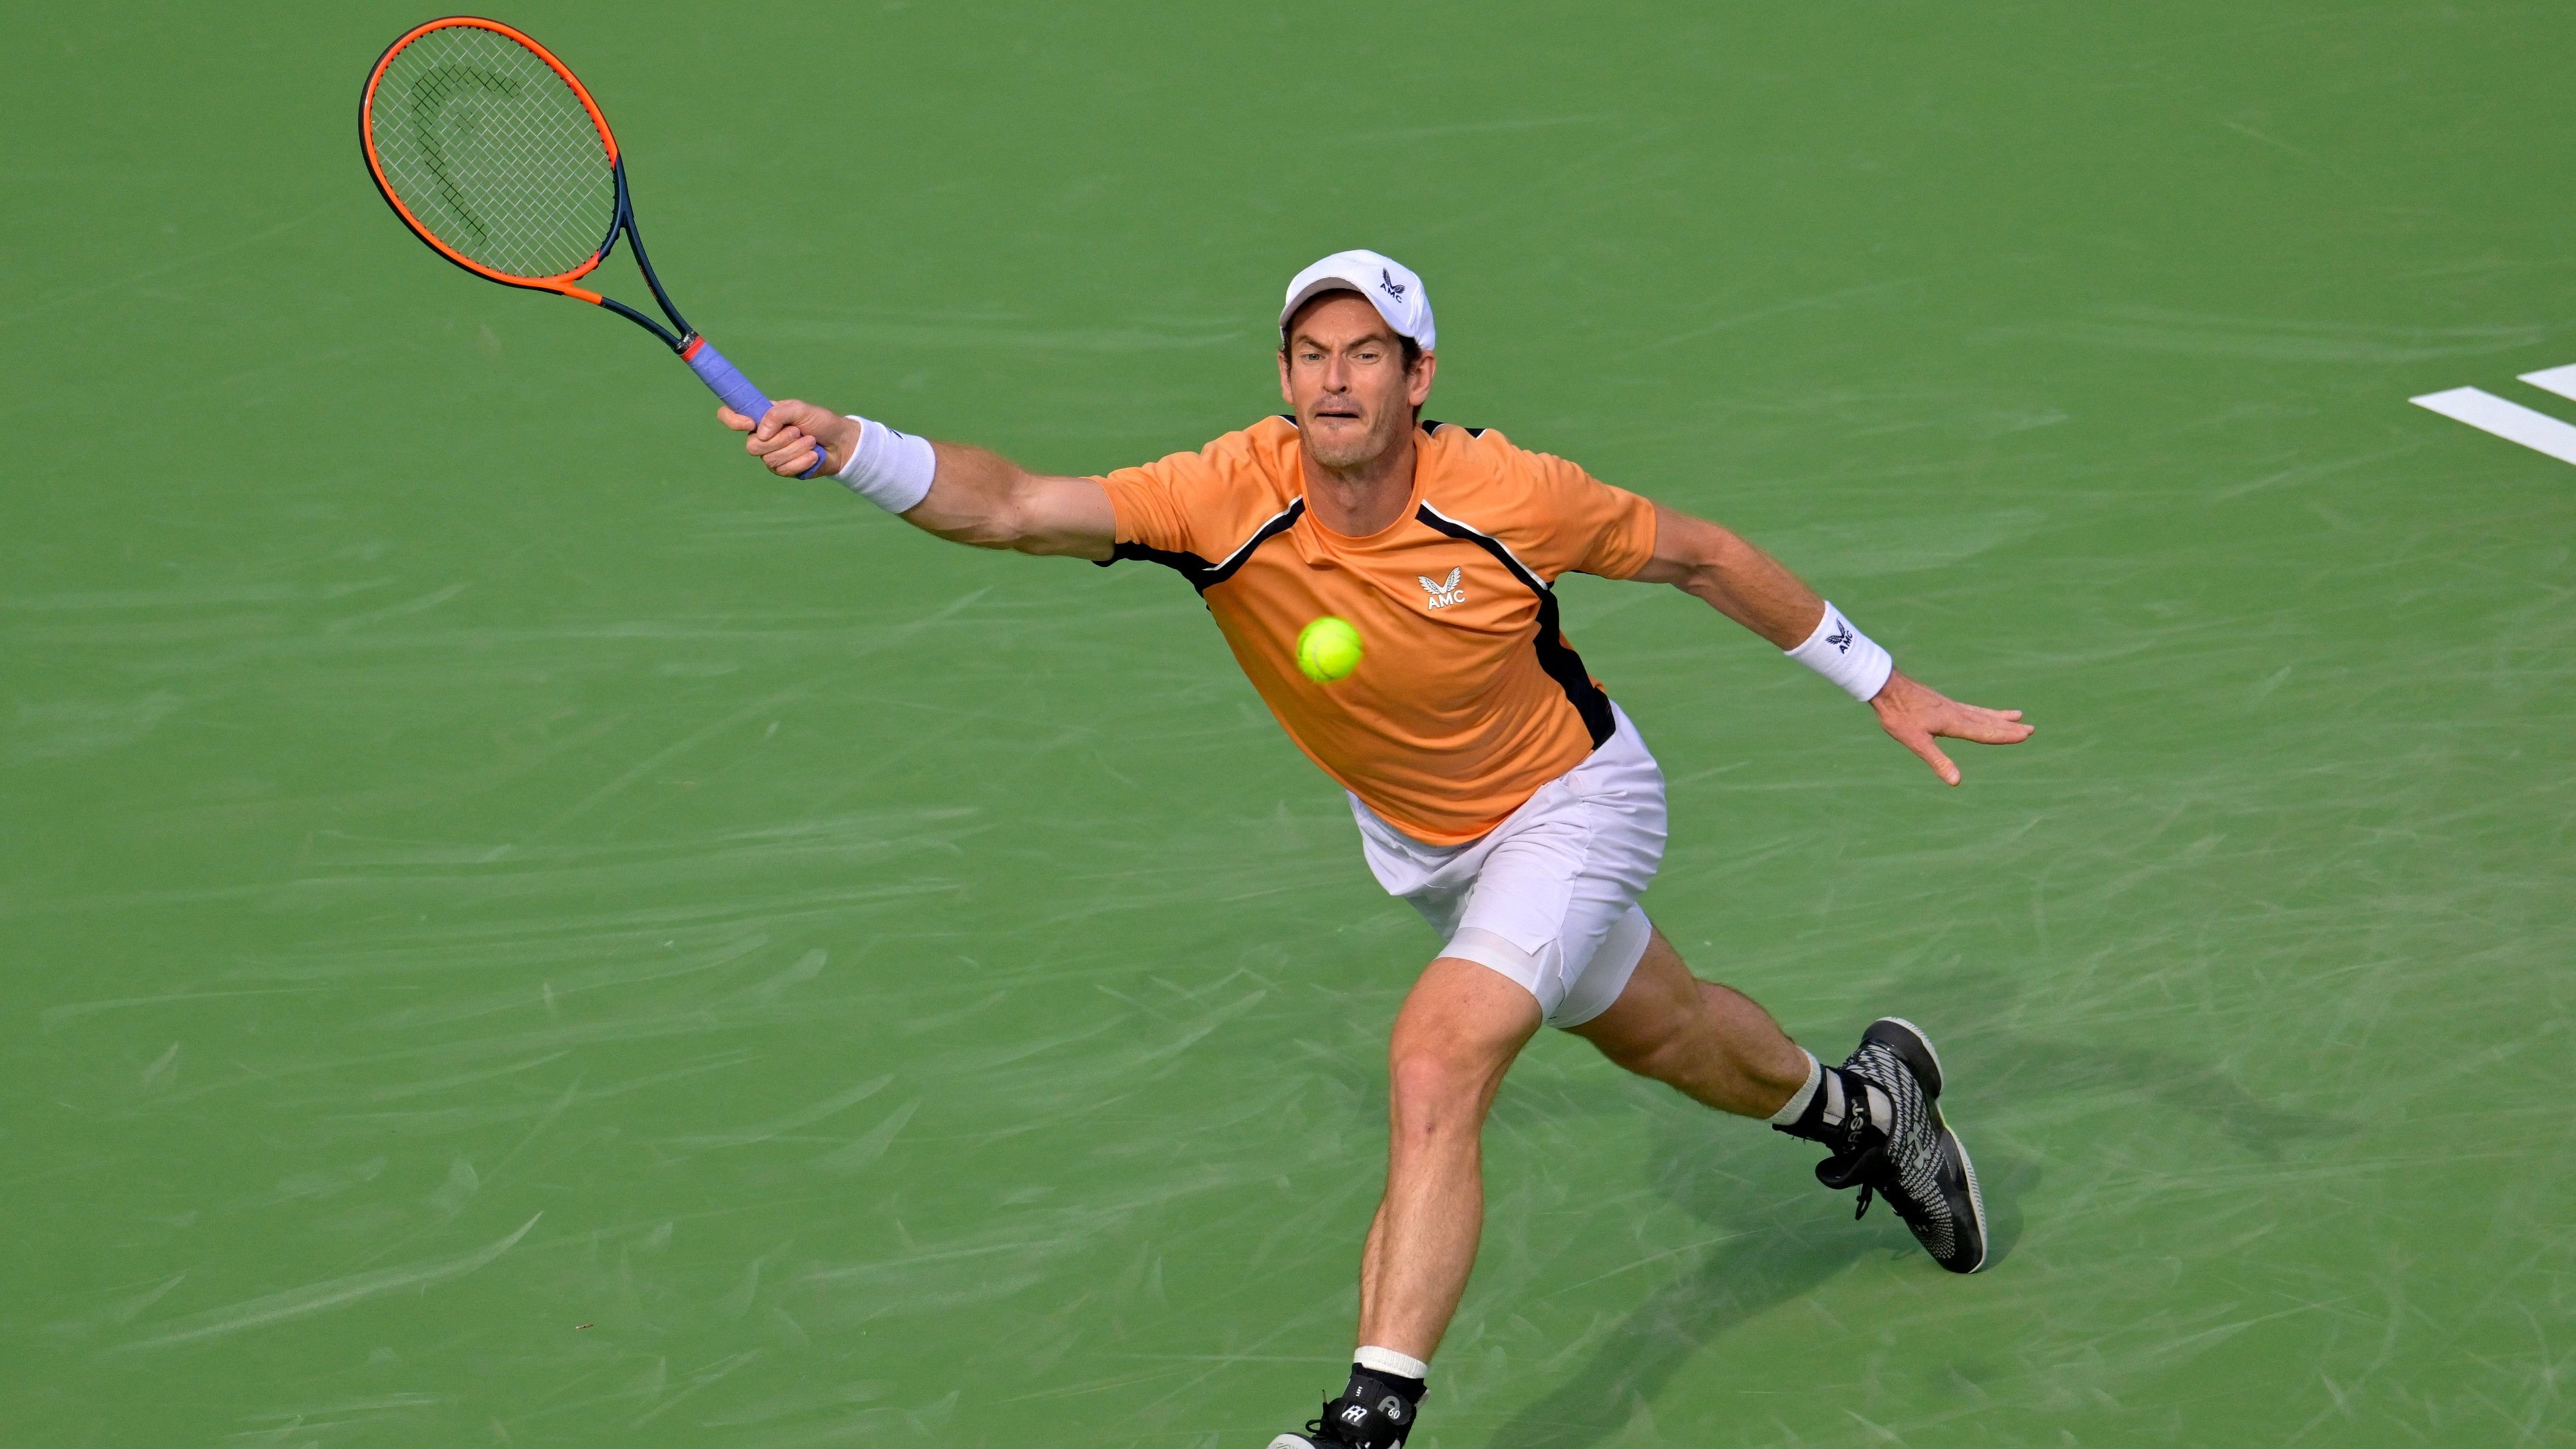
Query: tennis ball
[1328, 649]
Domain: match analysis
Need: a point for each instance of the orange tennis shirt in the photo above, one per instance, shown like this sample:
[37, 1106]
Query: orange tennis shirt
[1467, 698]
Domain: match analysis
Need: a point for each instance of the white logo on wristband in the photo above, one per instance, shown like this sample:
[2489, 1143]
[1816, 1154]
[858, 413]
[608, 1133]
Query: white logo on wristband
[1846, 656]
[889, 468]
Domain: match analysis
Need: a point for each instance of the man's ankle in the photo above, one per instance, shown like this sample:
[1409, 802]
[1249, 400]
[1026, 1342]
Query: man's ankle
[1801, 1097]
[1402, 1372]
[1832, 1103]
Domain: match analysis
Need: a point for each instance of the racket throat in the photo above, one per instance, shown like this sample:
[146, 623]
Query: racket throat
[678, 342]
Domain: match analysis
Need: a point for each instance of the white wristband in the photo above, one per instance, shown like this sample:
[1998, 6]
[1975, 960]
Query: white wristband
[1846, 656]
[888, 468]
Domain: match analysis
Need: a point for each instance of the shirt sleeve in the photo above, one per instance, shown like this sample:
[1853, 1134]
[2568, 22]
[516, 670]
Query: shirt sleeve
[1165, 506]
[1591, 526]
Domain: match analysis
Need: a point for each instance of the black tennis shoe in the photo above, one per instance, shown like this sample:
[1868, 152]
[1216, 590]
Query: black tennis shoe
[1368, 1415]
[1911, 1158]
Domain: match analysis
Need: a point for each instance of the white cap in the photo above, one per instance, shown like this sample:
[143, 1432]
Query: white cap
[1389, 284]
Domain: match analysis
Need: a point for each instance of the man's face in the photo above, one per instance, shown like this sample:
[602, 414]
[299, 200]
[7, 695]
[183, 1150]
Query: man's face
[1344, 374]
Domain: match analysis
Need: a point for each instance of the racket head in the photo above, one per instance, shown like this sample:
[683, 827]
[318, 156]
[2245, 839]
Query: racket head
[492, 151]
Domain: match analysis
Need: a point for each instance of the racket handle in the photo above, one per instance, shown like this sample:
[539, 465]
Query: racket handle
[728, 383]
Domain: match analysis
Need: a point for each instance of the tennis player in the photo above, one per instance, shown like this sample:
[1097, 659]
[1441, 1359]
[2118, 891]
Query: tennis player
[1496, 787]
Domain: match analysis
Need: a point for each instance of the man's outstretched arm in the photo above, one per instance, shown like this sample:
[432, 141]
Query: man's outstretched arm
[976, 496]
[1745, 584]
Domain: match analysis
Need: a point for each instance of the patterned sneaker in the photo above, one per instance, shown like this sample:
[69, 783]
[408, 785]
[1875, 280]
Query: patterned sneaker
[1911, 1158]
[1368, 1415]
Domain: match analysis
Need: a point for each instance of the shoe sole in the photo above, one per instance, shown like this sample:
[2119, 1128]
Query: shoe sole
[1915, 1045]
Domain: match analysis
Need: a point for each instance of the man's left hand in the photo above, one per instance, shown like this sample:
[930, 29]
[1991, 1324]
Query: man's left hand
[1913, 714]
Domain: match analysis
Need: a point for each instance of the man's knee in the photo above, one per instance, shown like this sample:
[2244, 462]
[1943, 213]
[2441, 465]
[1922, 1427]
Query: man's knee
[1438, 1085]
[1434, 1081]
[1454, 1039]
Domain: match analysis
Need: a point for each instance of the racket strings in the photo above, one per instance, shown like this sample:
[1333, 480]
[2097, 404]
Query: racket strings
[492, 153]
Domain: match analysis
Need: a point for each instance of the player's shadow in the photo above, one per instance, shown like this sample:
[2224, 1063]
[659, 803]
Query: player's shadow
[1785, 1238]
[1996, 1064]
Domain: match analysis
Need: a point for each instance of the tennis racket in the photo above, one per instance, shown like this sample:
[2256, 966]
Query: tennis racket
[492, 152]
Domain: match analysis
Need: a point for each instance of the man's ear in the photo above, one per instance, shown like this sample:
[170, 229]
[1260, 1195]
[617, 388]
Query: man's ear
[1418, 386]
[1284, 394]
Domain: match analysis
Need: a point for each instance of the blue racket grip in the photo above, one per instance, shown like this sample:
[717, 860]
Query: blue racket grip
[718, 373]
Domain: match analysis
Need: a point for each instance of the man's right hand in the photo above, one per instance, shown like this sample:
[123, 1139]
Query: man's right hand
[784, 440]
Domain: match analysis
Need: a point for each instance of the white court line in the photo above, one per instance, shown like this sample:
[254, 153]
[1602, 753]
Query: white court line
[2510, 421]
[2560, 380]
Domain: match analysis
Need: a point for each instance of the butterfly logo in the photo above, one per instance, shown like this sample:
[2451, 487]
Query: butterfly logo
[1443, 593]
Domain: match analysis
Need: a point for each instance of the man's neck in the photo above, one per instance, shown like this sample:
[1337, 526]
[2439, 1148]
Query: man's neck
[1358, 501]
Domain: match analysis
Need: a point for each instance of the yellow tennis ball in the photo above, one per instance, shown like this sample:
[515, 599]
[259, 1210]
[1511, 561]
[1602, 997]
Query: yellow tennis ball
[1328, 649]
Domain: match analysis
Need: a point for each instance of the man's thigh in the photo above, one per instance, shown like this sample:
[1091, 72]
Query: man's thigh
[1661, 996]
[1463, 1018]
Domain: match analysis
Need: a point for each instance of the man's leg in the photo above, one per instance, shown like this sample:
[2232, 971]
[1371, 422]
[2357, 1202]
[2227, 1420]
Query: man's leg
[1712, 1042]
[1456, 1036]
[1878, 1113]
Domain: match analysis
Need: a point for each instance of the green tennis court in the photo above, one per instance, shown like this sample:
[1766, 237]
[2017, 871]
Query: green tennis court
[521, 929]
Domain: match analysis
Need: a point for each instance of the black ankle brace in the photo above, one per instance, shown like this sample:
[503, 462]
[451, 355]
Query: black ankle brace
[1374, 1412]
[1840, 1098]
[1409, 1390]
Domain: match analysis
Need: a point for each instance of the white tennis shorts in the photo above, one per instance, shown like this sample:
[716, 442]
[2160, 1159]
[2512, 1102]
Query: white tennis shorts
[1548, 897]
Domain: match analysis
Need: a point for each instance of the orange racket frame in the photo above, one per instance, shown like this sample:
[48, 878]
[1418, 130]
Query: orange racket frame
[711, 366]
[561, 282]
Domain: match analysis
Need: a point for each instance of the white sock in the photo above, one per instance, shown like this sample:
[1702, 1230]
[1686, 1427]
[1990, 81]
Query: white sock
[1388, 1361]
[1796, 1107]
